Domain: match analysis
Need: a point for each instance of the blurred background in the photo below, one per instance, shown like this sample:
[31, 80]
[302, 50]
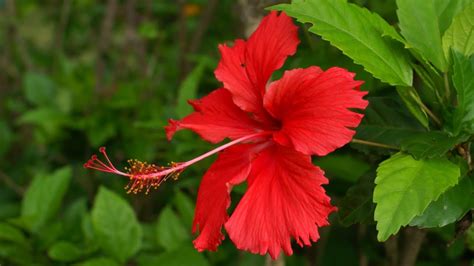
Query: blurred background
[80, 74]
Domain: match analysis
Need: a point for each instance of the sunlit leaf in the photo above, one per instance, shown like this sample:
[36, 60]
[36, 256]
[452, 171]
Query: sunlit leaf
[405, 187]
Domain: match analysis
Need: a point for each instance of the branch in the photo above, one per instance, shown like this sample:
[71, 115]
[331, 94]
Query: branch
[375, 144]
[104, 40]
[391, 250]
[413, 239]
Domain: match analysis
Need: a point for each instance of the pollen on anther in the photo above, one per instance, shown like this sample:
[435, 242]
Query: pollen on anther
[145, 176]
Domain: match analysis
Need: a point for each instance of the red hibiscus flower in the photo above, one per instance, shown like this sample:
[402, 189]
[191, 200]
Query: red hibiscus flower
[275, 129]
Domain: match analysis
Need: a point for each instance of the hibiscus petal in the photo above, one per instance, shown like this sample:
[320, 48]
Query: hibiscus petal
[314, 108]
[246, 67]
[285, 199]
[216, 117]
[231, 167]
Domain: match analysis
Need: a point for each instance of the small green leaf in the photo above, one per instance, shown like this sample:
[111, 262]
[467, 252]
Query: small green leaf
[188, 89]
[117, 230]
[38, 88]
[411, 99]
[451, 206]
[65, 252]
[430, 144]
[170, 231]
[463, 79]
[420, 27]
[12, 234]
[460, 35]
[43, 198]
[185, 255]
[357, 206]
[405, 187]
[359, 34]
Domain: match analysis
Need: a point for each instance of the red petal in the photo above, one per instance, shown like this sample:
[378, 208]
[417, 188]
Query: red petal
[284, 199]
[231, 167]
[313, 107]
[215, 118]
[246, 67]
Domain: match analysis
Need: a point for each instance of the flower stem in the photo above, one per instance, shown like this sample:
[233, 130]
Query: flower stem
[375, 144]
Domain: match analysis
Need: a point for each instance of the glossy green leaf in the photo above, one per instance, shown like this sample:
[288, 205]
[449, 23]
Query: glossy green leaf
[451, 206]
[170, 231]
[405, 187]
[420, 27]
[185, 255]
[359, 34]
[411, 99]
[430, 144]
[43, 198]
[386, 121]
[463, 79]
[64, 251]
[115, 225]
[460, 35]
[447, 10]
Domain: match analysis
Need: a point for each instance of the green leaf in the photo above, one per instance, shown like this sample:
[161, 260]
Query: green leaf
[460, 35]
[117, 230]
[38, 88]
[411, 99]
[446, 10]
[430, 144]
[359, 34]
[44, 196]
[386, 121]
[352, 170]
[12, 234]
[185, 206]
[405, 187]
[101, 261]
[6, 135]
[64, 251]
[449, 207]
[170, 231]
[357, 206]
[463, 79]
[188, 89]
[420, 26]
[185, 255]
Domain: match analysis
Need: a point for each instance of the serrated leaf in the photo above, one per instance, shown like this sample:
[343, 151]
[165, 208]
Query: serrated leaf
[359, 34]
[170, 231]
[447, 10]
[386, 121]
[451, 206]
[463, 79]
[420, 27]
[43, 198]
[405, 187]
[115, 225]
[411, 99]
[430, 144]
[64, 251]
[357, 206]
[460, 35]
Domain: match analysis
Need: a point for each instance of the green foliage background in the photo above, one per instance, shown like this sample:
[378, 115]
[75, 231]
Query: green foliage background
[77, 75]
